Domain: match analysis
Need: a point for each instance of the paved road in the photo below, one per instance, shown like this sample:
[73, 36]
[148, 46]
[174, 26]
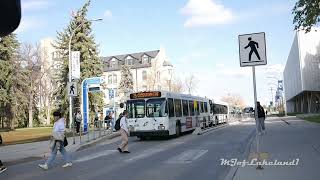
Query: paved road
[187, 157]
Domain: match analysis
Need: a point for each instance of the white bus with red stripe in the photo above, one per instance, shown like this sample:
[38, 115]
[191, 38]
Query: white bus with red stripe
[161, 113]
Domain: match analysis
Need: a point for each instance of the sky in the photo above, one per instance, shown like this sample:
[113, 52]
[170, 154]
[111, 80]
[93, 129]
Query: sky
[200, 36]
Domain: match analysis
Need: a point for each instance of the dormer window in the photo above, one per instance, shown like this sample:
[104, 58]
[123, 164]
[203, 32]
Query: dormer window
[145, 59]
[129, 61]
[113, 63]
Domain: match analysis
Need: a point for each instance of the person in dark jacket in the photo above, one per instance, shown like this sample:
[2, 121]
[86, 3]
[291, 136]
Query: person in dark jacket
[261, 118]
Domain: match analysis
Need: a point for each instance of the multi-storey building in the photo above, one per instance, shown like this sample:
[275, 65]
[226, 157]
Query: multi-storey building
[151, 70]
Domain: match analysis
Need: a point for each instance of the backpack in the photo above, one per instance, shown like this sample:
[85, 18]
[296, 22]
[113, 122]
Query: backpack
[117, 125]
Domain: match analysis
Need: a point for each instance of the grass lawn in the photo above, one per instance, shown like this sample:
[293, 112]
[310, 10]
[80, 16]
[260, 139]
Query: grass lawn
[26, 135]
[313, 119]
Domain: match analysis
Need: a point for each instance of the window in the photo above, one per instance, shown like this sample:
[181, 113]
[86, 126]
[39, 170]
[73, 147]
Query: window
[201, 107]
[114, 79]
[185, 108]
[156, 108]
[171, 107]
[177, 107]
[129, 61]
[144, 75]
[136, 108]
[205, 107]
[110, 79]
[191, 108]
[145, 59]
[196, 108]
[211, 108]
[113, 64]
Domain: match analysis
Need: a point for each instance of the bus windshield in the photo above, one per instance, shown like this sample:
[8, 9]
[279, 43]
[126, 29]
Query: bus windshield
[136, 108]
[157, 108]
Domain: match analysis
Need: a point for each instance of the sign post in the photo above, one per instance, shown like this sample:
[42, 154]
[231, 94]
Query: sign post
[252, 52]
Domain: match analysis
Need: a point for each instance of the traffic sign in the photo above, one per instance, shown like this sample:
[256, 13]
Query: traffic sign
[75, 64]
[252, 49]
[72, 89]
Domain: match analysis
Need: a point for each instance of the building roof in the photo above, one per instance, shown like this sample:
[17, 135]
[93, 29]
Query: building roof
[137, 60]
[137, 56]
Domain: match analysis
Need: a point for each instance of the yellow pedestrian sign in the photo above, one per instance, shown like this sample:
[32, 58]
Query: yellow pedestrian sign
[72, 89]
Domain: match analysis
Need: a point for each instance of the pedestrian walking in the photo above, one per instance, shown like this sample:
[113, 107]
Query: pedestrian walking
[123, 148]
[2, 167]
[261, 118]
[57, 142]
[112, 115]
[78, 121]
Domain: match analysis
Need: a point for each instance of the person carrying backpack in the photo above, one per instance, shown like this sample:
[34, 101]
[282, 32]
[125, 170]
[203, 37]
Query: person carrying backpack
[123, 147]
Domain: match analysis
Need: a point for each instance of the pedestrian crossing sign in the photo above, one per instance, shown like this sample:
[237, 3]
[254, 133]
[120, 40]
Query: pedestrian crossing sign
[252, 49]
[72, 89]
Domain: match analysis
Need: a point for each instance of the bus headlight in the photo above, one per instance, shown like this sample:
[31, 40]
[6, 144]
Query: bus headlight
[161, 127]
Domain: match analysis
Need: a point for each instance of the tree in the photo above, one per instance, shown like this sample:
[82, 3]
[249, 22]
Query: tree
[234, 100]
[306, 14]
[126, 82]
[175, 85]
[8, 53]
[30, 56]
[191, 83]
[90, 64]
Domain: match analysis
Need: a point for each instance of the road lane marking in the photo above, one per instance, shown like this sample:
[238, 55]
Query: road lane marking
[152, 151]
[96, 155]
[187, 156]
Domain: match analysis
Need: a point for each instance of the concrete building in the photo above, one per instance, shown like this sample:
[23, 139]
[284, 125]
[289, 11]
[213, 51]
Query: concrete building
[49, 65]
[302, 73]
[151, 70]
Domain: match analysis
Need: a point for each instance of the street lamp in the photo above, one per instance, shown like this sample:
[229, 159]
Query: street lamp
[70, 78]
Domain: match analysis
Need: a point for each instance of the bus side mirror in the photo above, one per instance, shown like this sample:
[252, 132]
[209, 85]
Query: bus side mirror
[10, 16]
[121, 105]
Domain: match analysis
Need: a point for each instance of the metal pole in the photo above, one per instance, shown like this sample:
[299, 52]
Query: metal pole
[256, 114]
[80, 134]
[74, 139]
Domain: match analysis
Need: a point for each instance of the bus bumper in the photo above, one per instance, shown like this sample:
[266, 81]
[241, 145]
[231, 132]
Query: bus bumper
[150, 133]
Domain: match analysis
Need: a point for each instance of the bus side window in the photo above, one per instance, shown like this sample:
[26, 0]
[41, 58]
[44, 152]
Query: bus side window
[205, 107]
[196, 109]
[201, 108]
[177, 107]
[191, 108]
[171, 107]
[185, 108]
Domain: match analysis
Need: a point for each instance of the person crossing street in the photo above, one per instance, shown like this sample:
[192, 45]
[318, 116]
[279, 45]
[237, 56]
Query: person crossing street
[123, 148]
[57, 142]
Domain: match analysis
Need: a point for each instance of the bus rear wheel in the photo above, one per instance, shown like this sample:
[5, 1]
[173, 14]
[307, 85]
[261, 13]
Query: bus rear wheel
[178, 130]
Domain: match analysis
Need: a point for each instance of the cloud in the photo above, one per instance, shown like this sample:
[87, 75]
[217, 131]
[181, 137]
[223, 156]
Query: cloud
[206, 12]
[30, 23]
[107, 14]
[274, 70]
[28, 5]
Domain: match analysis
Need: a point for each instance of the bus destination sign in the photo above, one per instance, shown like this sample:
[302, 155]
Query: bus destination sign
[145, 95]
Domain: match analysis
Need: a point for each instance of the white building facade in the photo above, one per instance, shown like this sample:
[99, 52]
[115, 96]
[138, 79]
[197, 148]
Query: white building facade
[302, 73]
[151, 70]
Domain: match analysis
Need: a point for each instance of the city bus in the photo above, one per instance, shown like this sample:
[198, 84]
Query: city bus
[162, 113]
[219, 112]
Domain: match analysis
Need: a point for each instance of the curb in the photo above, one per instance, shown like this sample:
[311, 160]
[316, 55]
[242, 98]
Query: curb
[94, 142]
[199, 131]
[233, 171]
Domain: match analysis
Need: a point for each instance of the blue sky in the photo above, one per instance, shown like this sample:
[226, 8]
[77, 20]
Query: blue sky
[200, 36]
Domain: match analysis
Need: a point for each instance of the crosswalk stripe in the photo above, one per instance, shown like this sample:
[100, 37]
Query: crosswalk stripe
[96, 155]
[150, 152]
[187, 156]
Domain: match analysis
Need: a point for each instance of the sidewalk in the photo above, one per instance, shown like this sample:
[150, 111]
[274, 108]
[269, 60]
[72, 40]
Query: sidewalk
[286, 139]
[14, 154]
